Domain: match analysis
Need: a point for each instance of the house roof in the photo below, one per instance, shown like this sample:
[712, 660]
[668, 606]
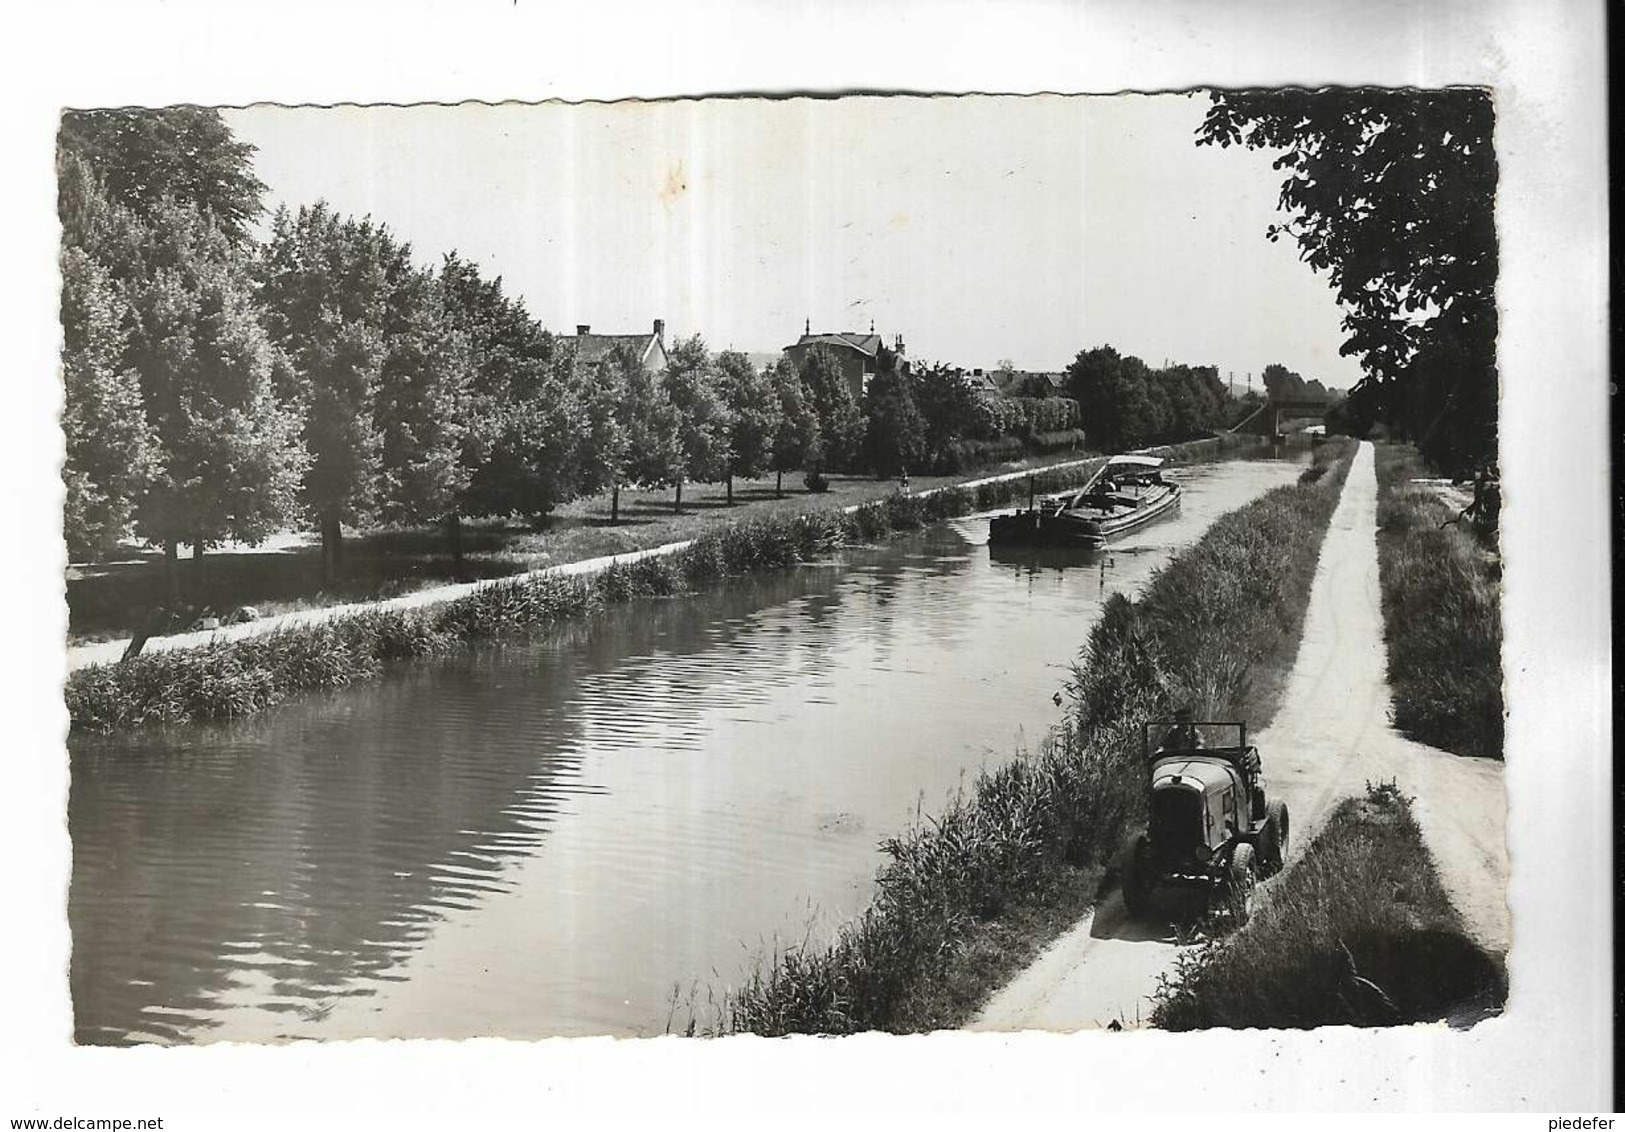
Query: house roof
[593, 348]
[868, 344]
[1027, 376]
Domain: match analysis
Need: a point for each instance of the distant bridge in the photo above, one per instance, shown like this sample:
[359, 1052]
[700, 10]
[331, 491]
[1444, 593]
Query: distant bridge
[1266, 420]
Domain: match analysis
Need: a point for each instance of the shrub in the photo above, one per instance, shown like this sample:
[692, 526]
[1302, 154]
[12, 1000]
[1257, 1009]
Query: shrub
[871, 521]
[706, 558]
[818, 532]
[816, 482]
[905, 512]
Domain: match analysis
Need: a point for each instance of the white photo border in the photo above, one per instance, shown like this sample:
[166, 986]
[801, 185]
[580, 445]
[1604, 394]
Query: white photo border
[1545, 64]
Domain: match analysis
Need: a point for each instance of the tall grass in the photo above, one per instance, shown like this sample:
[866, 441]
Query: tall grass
[1359, 933]
[227, 679]
[1033, 831]
[1441, 607]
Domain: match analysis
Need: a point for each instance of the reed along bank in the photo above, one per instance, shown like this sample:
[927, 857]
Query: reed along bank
[970, 895]
[233, 678]
[1441, 608]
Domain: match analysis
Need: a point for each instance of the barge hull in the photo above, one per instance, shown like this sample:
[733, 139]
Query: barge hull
[1032, 529]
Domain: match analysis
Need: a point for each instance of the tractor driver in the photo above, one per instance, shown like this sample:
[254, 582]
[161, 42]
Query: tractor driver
[1183, 735]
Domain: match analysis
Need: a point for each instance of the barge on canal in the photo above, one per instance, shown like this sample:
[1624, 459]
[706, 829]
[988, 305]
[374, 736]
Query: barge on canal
[1126, 494]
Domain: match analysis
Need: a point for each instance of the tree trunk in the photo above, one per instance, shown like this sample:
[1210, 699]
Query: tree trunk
[332, 547]
[730, 489]
[197, 569]
[454, 536]
[615, 505]
[778, 490]
[172, 571]
[677, 505]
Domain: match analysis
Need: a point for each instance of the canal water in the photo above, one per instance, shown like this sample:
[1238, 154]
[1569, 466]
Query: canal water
[566, 838]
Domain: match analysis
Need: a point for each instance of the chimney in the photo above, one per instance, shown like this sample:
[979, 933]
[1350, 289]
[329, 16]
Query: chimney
[582, 329]
[660, 330]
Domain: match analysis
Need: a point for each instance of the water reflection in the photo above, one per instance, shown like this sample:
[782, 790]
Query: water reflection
[284, 863]
[543, 840]
[1039, 559]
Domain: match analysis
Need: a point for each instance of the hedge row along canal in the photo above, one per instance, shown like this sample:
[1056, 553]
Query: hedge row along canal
[235, 678]
[1441, 608]
[969, 896]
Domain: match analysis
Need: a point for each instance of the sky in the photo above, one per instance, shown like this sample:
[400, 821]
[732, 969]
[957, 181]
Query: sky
[977, 228]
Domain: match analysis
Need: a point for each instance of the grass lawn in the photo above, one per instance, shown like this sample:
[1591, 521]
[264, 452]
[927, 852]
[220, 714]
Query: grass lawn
[106, 600]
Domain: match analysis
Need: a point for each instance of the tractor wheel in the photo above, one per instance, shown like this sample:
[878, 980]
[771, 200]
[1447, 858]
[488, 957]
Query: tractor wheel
[1243, 878]
[1138, 880]
[1277, 834]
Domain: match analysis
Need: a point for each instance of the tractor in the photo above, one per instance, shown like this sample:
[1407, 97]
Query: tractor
[1212, 828]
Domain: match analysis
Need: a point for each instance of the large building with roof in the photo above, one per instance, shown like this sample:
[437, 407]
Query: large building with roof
[858, 353]
[593, 350]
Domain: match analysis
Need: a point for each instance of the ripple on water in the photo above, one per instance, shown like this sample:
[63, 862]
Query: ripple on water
[544, 840]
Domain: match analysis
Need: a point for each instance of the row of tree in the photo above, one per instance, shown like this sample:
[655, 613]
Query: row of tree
[219, 390]
[223, 388]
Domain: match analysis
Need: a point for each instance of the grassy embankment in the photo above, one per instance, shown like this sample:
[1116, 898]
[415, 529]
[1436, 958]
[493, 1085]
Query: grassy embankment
[106, 600]
[1360, 932]
[1441, 608]
[237, 678]
[969, 897]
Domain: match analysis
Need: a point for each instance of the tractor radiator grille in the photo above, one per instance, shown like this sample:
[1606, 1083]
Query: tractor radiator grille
[1176, 822]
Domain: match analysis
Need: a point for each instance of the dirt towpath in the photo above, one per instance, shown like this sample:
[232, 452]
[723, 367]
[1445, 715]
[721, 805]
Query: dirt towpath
[1330, 738]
